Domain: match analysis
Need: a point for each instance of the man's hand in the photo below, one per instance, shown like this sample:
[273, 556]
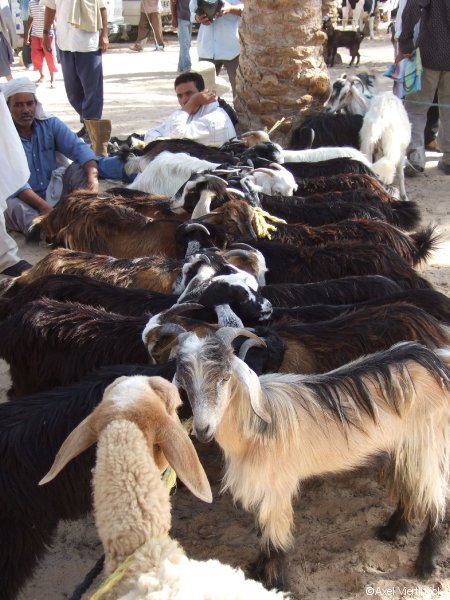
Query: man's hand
[202, 19]
[47, 42]
[230, 9]
[104, 42]
[400, 56]
[91, 171]
[199, 99]
[174, 21]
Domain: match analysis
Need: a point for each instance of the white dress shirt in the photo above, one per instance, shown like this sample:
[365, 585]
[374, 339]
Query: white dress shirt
[210, 125]
[71, 38]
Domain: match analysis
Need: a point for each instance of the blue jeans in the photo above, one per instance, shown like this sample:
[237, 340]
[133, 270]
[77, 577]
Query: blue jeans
[184, 39]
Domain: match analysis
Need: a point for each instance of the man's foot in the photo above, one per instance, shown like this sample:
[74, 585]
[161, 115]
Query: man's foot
[412, 169]
[40, 80]
[433, 146]
[136, 48]
[444, 167]
[159, 48]
[17, 269]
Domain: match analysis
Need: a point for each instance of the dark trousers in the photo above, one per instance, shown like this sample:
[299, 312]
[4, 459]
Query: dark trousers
[26, 50]
[432, 124]
[83, 80]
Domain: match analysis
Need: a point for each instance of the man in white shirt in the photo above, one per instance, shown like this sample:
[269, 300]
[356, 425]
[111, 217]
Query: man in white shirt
[82, 29]
[200, 117]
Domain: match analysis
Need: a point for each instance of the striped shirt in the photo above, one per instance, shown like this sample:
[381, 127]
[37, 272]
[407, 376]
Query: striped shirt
[37, 12]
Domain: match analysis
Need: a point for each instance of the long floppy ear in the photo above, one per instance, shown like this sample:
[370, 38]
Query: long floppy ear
[250, 380]
[81, 438]
[182, 457]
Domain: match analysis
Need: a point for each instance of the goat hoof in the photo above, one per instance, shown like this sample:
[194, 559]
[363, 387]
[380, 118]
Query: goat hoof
[270, 570]
[424, 567]
[390, 532]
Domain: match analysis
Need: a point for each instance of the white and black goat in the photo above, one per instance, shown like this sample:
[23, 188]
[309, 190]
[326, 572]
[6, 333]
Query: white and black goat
[278, 430]
[385, 132]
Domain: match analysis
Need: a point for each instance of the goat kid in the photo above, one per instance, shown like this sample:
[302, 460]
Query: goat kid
[278, 430]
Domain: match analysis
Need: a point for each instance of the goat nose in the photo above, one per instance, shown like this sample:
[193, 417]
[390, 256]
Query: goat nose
[203, 434]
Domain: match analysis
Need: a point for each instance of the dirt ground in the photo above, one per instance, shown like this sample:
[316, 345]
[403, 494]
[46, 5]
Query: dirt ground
[336, 555]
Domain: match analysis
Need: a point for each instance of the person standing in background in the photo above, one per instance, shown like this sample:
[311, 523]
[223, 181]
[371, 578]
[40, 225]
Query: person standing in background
[82, 37]
[26, 50]
[8, 40]
[434, 42]
[150, 20]
[34, 37]
[14, 173]
[181, 20]
[218, 40]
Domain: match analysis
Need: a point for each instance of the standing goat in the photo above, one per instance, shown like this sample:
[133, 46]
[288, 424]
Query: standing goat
[278, 430]
[385, 132]
[338, 39]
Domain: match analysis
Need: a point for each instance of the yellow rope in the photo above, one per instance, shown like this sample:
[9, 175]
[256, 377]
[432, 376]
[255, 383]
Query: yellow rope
[263, 228]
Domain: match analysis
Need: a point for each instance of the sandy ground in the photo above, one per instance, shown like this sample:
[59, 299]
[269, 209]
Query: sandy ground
[336, 555]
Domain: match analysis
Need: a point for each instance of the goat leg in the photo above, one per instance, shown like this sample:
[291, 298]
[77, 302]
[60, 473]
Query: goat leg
[429, 547]
[397, 525]
[270, 568]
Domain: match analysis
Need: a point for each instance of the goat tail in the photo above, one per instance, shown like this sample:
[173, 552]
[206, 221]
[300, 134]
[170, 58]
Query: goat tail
[426, 241]
[34, 233]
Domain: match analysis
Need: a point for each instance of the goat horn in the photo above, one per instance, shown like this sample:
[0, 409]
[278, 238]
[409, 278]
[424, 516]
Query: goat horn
[237, 252]
[243, 246]
[199, 226]
[202, 207]
[179, 309]
[228, 334]
[246, 347]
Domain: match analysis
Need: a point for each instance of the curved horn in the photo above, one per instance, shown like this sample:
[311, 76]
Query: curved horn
[179, 309]
[237, 252]
[243, 246]
[250, 343]
[202, 207]
[228, 334]
[199, 226]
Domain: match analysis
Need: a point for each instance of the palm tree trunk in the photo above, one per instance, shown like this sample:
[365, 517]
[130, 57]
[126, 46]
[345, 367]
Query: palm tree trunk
[281, 69]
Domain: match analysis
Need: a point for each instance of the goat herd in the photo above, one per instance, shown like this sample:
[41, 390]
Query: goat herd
[295, 327]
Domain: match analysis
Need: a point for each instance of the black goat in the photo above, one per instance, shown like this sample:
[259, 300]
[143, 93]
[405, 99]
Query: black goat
[341, 39]
[430, 301]
[345, 290]
[32, 430]
[327, 168]
[289, 264]
[328, 130]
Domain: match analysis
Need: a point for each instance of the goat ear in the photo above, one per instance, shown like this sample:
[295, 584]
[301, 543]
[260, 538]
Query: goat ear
[182, 457]
[250, 380]
[81, 438]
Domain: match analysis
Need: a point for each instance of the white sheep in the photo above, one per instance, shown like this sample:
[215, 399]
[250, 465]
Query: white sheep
[138, 434]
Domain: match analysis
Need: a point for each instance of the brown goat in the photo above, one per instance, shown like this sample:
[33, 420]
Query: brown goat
[119, 231]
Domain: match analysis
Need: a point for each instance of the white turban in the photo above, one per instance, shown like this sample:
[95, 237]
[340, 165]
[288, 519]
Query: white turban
[23, 85]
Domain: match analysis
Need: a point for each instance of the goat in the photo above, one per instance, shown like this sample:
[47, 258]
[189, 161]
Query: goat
[149, 205]
[385, 132]
[156, 273]
[278, 430]
[139, 434]
[123, 233]
[327, 168]
[31, 431]
[166, 172]
[338, 39]
[346, 290]
[327, 130]
[313, 210]
[431, 301]
[187, 146]
[290, 264]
